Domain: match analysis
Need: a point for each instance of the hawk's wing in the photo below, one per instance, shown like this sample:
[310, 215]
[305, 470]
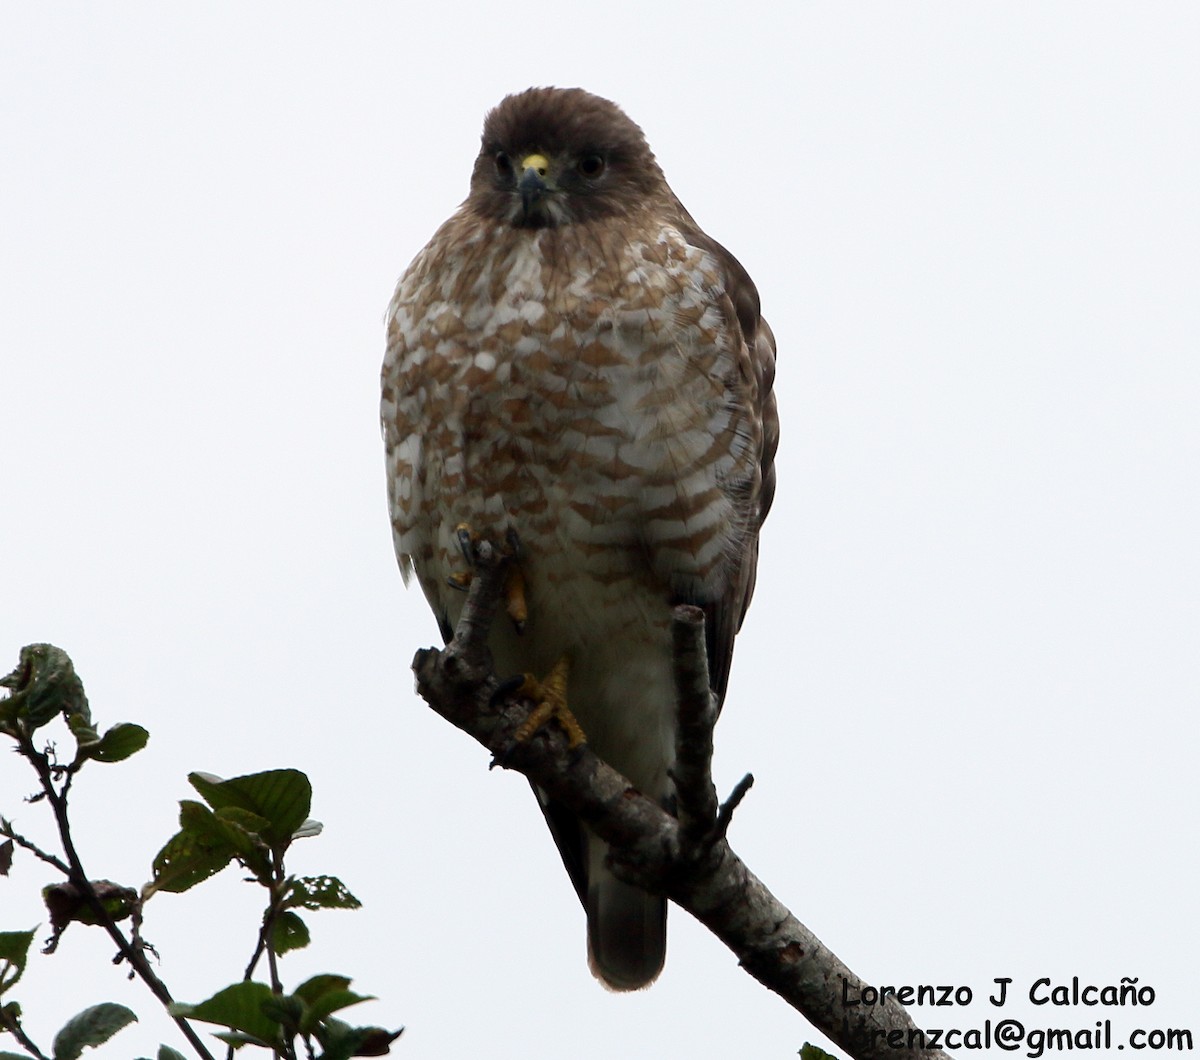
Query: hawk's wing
[723, 616]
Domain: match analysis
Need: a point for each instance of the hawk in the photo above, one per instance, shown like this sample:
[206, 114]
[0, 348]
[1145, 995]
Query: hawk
[573, 365]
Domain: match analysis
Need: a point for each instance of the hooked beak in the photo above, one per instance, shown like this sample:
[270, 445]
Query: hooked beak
[532, 184]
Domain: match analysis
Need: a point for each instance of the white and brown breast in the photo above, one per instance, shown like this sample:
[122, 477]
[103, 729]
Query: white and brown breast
[595, 394]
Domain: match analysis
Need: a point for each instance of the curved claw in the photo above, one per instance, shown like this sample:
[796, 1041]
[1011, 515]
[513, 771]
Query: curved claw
[466, 539]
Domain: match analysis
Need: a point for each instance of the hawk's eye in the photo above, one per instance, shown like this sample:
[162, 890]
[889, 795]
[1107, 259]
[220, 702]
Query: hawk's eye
[503, 164]
[591, 165]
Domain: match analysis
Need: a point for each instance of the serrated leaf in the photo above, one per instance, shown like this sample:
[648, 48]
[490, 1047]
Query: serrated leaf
[186, 860]
[239, 1007]
[319, 892]
[282, 796]
[120, 742]
[289, 932]
[14, 952]
[808, 1051]
[92, 1027]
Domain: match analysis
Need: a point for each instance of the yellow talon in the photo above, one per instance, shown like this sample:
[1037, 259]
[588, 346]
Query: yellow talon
[550, 695]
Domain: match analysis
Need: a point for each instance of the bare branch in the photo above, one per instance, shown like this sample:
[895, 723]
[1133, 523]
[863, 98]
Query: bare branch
[6, 829]
[685, 857]
[695, 796]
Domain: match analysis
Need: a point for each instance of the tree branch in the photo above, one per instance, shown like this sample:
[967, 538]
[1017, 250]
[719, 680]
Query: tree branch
[129, 952]
[685, 857]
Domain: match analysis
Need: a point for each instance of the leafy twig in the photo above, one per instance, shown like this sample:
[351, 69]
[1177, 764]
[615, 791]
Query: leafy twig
[13, 1025]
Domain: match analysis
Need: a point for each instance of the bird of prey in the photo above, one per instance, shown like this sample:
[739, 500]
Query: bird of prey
[574, 365]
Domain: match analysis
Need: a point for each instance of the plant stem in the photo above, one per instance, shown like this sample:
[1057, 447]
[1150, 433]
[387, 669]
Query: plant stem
[13, 1026]
[77, 875]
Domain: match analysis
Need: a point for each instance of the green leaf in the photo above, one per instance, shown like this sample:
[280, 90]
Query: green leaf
[813, 1052]
[333, 1001]
[246, 819]
[285, 1010]
[319, 892]
[289, 932]
[186, 860]
[324, 994]
[239, 1007]
[207, 842]
[282, 796]
[44, 685]
[92, 1027]
[14, 952]
[84, 732]
[14, 1056]
[311, 989]
[340, 1041]
[121, 741]
[231, 829]
[165, 1052]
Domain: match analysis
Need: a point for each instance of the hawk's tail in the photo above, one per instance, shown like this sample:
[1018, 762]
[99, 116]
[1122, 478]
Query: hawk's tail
[626, 926]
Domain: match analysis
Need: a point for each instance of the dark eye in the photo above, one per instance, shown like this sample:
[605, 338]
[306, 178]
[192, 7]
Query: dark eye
[591, 165]
[503, 164]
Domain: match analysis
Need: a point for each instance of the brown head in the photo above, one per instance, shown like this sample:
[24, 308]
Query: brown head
[555, 156]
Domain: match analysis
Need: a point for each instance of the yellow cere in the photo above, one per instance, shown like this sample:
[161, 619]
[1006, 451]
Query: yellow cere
[537, 162]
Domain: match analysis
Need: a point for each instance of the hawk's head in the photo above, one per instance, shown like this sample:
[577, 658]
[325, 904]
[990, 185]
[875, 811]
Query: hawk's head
[556, 156]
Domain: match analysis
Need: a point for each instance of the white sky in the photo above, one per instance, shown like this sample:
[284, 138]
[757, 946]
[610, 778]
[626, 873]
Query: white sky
[968, 686]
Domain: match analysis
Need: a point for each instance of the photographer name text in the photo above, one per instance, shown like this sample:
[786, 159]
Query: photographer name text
[1044, 991]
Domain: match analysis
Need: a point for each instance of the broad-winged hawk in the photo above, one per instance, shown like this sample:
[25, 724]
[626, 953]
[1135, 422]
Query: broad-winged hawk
[572, 359]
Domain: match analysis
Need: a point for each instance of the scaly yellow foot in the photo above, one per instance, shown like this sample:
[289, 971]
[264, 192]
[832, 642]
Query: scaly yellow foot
[550, 695]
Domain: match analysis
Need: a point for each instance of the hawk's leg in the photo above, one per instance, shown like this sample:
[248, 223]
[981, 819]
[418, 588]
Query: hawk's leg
[550, 695]
[514, 581]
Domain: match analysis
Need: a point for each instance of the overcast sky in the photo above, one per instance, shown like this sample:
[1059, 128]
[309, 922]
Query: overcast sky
[969, 684]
